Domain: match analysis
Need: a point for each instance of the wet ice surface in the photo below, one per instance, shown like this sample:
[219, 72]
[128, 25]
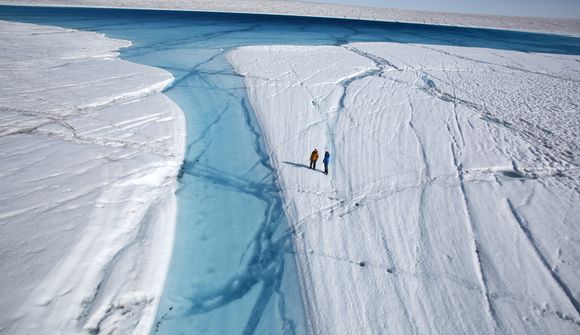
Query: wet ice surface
[232, 269]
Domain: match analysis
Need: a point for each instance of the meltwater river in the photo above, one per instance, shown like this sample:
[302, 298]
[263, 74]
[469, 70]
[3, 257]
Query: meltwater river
[232, 269]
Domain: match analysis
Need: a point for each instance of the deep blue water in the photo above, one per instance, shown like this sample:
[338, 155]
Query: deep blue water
[232, 269]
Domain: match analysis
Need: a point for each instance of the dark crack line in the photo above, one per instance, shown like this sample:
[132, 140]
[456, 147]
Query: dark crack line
[523, 225]
[475, 246]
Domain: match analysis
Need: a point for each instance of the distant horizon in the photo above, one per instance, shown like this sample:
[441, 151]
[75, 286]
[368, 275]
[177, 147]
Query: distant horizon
[329, 8]
[559, 9]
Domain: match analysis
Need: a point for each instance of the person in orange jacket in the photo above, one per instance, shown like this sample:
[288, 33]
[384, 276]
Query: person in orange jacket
[313, 159]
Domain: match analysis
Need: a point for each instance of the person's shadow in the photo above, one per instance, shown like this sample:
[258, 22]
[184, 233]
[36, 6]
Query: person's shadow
[298, 165]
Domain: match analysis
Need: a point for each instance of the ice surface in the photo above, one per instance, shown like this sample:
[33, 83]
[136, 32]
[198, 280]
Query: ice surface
[377, 249]
[452, 202]
[90, 150]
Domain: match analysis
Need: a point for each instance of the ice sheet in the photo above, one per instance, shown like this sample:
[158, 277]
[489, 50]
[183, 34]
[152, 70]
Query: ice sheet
[452, 201]
[90, 150]
[192, 47]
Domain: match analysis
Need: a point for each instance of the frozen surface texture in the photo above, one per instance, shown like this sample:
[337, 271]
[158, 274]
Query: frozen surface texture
[387, 242]
[452, 202]
[291, 7]
[90, 150]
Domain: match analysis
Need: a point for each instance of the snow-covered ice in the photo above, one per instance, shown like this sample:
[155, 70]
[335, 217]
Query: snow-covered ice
[90, 149]
[450, 207]
[452, 202]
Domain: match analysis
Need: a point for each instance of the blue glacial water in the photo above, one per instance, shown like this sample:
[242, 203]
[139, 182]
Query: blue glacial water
[232, 269]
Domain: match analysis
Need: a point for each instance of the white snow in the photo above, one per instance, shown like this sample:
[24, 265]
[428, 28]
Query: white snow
[452, 202]
[89, 153]
[313, 9]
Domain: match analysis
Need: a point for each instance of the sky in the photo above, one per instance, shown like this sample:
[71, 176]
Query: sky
[540, 8]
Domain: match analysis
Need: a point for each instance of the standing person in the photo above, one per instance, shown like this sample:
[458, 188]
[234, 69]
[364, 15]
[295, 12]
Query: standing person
[313, 159]
[326, 160]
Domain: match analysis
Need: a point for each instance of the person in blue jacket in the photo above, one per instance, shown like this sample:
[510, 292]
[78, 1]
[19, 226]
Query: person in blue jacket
[326, 160]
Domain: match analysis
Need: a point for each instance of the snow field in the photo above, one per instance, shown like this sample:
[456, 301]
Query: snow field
[451, 205]
[90, 150]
